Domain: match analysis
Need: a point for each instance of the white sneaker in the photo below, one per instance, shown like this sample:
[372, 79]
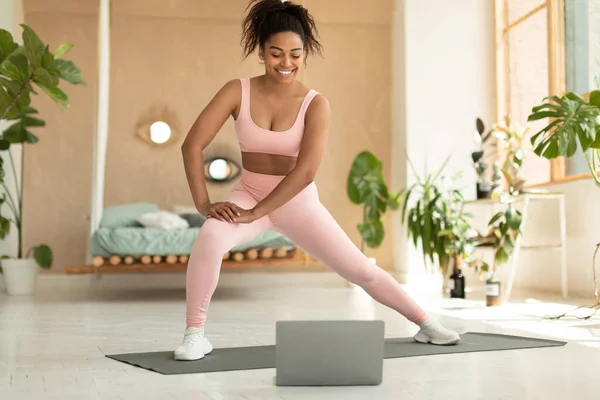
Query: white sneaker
[194, 346]
[435, 333]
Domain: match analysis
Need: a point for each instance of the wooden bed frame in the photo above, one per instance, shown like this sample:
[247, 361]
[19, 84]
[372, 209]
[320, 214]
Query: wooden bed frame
[281, 258]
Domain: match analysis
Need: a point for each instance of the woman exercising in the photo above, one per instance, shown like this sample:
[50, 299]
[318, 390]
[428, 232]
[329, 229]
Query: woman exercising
[282, 127]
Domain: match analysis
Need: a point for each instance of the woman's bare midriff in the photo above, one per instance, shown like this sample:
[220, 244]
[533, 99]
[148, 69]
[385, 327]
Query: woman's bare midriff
[268, 164]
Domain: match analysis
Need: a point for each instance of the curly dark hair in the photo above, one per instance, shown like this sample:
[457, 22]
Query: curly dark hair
[268, 17]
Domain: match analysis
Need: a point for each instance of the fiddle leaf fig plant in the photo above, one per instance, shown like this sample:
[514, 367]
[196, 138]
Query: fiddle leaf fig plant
[22, 67]
[366, 186]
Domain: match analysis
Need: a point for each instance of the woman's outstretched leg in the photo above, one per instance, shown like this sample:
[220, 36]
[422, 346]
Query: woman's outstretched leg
[310, 225]
[203, 270]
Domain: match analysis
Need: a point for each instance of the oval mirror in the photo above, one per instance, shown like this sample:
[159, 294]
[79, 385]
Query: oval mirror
[158, 126]
[221, 170]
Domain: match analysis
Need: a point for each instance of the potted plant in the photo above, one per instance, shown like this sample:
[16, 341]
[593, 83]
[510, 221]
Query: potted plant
[459, 241]
[573, 125]
[425, 218]
[512, 136]
[479, 157]
[21, 66]
[366, 186]
[505, 227]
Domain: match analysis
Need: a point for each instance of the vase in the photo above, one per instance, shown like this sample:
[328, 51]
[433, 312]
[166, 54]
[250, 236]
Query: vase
[493, 292]
[20, 276]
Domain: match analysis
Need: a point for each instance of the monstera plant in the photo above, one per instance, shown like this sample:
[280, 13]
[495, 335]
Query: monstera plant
[366, 186]
[573, 125]
[22, 67]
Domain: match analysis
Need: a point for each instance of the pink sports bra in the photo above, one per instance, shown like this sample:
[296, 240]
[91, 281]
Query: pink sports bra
[253, 138]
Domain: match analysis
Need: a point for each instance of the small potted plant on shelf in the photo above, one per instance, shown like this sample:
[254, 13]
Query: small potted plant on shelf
[22, 66]
[366, 186]
[483, 141]
[512, 136]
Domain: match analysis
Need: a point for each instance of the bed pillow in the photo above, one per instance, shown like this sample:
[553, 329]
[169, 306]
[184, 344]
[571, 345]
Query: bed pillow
[164, 220]
[125, 214]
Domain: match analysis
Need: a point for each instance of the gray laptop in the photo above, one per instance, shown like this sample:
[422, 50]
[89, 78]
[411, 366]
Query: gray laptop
[329, 353]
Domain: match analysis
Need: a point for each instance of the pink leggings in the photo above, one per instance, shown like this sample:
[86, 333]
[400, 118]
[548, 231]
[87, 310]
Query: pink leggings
[307, 223]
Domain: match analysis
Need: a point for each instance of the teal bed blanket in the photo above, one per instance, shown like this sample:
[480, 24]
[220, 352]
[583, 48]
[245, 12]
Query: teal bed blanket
[136, 242]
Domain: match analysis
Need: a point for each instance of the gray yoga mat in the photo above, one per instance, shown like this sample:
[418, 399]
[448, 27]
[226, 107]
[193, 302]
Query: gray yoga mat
[257, 357]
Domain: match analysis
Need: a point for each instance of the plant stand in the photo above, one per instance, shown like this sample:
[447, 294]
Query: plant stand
[527, 199]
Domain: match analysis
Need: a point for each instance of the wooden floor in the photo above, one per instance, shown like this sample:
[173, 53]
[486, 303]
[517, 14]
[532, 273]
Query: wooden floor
[53, 345]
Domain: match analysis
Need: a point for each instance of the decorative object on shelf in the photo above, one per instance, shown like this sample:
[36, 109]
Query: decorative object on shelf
[159, 126]
[512, 136]
[497, 178]
[479, 157]
[574, 124]
[366, 186]
[221, 170]
[457, 283]
[20, 67]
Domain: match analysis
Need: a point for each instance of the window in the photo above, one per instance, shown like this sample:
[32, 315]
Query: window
[582, 61]
[529, 67]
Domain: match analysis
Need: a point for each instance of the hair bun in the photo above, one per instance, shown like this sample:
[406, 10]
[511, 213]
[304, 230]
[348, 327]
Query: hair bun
[267, 17]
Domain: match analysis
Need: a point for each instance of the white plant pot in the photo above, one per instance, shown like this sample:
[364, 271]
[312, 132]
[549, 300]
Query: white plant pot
[20, 276]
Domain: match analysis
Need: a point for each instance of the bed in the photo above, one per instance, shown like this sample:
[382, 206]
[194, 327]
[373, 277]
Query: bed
[142, 237]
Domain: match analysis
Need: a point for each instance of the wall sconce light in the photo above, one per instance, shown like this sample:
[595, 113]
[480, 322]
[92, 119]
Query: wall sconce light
[221, 170]
[159, 126]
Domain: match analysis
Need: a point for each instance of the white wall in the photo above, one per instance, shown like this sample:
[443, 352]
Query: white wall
[541, 270]
[443, 80]
[11, 15]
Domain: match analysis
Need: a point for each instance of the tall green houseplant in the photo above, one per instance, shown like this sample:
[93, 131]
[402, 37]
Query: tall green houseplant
[574, 125]
[22, 67]
[366, 186]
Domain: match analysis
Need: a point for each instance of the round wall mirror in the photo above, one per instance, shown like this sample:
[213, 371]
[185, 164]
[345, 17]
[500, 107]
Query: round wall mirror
[221, 169]
[159, 126]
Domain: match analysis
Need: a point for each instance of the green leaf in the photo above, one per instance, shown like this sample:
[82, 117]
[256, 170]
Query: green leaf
[372, 232]
[55, 94]
[595, 98]
[48, 58]
[41, 75]
[4, 144]
[508, 245]
[516, 220]
[4, 227]
[501, 256]
[6, 44]
[63, 49]
[31, 121]
[596, 143]
[496, 217]
[15, 133]
[43, 256]
[574, 119]
[16, 68]
[33, 45]
[68, 71]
